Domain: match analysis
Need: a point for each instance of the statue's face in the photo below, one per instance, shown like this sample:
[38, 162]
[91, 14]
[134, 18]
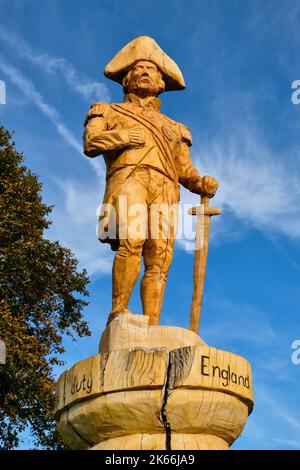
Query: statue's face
[144, 79]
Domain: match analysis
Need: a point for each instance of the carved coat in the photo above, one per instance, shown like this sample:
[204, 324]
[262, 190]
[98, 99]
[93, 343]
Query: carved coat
[166, 146]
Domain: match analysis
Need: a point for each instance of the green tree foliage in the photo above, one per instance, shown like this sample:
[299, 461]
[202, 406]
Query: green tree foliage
[42, 295]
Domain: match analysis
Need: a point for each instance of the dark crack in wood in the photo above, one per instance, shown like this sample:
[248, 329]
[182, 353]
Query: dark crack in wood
[180, 365]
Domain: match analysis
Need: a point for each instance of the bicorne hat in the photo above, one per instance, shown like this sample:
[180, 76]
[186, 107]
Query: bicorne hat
[145, 48]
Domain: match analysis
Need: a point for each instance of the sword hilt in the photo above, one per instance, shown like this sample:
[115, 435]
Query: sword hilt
[204, 201]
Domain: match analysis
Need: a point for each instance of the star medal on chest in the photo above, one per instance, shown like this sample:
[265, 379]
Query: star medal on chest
[168, 132]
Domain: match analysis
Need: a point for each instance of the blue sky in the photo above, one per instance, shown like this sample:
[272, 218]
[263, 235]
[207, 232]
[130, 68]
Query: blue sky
[239, 59]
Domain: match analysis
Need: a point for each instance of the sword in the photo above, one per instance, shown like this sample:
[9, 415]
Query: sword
[203, 214]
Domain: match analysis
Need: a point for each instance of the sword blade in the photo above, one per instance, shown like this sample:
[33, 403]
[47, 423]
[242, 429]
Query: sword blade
[201, 251]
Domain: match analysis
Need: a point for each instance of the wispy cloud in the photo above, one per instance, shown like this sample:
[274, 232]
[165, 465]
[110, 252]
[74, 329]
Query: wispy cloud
[29, 90]
[89, 90]
[246, 329]
[275, 15]
[287, 442]
[278, 409]
[257, 187]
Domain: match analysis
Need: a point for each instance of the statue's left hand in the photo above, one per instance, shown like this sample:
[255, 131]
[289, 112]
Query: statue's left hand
[207, 186]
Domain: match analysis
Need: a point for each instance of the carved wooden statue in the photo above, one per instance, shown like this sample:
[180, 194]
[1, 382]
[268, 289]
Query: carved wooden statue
[146, 154]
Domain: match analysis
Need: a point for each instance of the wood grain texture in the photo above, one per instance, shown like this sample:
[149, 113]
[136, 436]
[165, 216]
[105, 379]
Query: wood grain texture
[193, 397]
[104, 373]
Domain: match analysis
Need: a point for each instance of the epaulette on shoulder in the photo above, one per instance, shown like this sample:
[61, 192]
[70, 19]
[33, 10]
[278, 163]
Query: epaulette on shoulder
[186, 134]
[97, 109]
[170, 120]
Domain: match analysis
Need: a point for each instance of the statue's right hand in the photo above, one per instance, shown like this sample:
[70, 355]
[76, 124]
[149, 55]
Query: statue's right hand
[137, 136]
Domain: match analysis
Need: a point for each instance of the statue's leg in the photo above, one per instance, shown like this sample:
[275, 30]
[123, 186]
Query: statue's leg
[126, 269]
[158, 255]
[132, 213]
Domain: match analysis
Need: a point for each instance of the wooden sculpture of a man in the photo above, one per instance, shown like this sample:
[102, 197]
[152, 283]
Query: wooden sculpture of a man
[146, 154]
